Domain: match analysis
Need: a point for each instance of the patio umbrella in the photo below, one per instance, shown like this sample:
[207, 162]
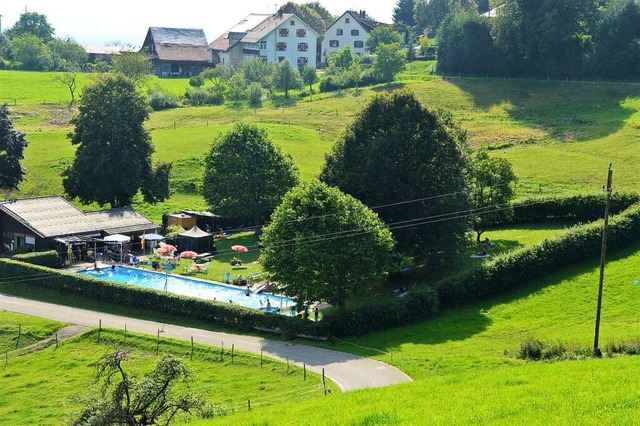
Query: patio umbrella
[239, 249]
[188, 254]
[152, 237]
[165, 249]
[117, 239]
[168, 247]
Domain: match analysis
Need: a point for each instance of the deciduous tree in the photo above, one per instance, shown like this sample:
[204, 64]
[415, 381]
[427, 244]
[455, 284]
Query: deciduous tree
[246, 175]
[383, 34]
[135, 65]
[403, 13]
[492, 180]
[309, 76]
[286, 77]
[126, 399]
[114, 149]
[67, 54]
[397, 151]
[31, 52]
[32, 23]
[325, 245]
[390, 60]
[12, 145]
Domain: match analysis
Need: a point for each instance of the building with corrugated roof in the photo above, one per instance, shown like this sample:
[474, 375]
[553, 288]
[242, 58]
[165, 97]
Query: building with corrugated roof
[44, 222]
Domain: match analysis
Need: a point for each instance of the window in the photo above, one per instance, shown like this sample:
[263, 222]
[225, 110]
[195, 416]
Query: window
[355, 32]
[303, 47]
[281, 58]
[301, 32]
[302, 61]
[334, 43]
[338, 32]
[346, 20]
[358, 44]
[281, 46]
[293, 23]
[283, 32]
[263, 45]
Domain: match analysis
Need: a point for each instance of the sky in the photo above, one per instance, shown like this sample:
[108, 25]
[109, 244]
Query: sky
[105, 22]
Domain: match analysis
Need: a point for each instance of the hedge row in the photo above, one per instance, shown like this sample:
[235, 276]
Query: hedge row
[223, 314]
[43, 258]
[416, 305]
[515, 269]
[581, 208]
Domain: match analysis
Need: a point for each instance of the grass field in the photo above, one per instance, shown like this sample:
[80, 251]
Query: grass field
[30, 329]
[462, 374]
[37, 388]
[560, 137]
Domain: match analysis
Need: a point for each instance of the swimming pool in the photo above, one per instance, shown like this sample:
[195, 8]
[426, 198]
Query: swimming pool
[189, 287]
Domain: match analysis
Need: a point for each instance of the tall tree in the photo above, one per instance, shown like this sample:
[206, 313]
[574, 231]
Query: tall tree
[383, 34]
[308, 15]
[325, 245]
[403, 13]
[155, 186]
[309, 76]
[465, 45]
[32, 23]
[429, 14]
[126, 399]
[67, 54]
[617, 41]
[31, 52]
[246, 175]
[114, 149]
[390, 60]
[492, 180]
[396, 151]
[12, 145]
[326, 16]
[286, 77]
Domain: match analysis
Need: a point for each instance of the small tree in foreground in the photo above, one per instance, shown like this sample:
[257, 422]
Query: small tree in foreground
[286, 77]
[12, 145]
[126, 399]
[325, 245]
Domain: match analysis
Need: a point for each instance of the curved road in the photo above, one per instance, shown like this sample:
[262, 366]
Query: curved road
[348, 371]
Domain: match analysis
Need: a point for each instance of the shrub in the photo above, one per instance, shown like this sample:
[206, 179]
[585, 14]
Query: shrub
[416, 305]
[517, 268]
[162, 100]
[208, 96]
[43, 258]
[255, 93]
[580, 207]
[222, 314]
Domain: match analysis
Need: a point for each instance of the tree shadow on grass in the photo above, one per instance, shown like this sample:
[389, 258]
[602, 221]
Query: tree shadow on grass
[458, 324]
[388, 87]
[283, 102]
[568, 111]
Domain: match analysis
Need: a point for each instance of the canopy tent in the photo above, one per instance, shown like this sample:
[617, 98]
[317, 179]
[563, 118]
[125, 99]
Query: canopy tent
[195, 239]
[117, 239]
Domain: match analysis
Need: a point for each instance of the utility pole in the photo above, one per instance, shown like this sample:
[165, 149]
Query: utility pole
[603, 253]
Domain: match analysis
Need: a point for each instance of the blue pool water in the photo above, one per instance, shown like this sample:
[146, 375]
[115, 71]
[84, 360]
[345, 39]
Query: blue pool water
[188, 287]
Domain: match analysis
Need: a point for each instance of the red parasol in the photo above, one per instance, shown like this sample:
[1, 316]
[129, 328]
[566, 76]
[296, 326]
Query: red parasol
[188, 254]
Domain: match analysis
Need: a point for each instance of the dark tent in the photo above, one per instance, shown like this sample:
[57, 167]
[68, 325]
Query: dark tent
[195, 239]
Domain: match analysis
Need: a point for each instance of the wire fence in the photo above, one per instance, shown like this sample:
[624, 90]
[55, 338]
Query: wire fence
[311, 385]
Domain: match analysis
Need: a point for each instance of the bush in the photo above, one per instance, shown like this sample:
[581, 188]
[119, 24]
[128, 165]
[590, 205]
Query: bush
[581, 207]
[208, 96]
[255, 94]
[162, 100]
[515, 269]
[329, 84]
[416, 305]
[222, 314]
[43, 258]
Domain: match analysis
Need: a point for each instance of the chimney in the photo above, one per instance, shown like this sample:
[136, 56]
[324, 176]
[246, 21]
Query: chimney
[280, 13]
[363, 14]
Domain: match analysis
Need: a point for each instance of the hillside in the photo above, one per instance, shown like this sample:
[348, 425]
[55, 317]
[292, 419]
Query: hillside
[559, 136]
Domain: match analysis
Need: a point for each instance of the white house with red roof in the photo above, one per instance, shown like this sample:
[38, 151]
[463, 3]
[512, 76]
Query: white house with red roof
[269, 37]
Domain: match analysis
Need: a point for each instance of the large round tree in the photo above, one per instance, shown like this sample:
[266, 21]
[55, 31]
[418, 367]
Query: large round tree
[325, 245]
[246, 175]
[114, 149]
[412, 160]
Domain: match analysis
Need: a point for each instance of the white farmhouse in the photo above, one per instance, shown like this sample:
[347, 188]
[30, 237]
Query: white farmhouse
[351, 29]
[270, 37]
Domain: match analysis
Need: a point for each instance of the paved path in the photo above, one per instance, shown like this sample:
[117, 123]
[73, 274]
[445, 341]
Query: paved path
[348, 371]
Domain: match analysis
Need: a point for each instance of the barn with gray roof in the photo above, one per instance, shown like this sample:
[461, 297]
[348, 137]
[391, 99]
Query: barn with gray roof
[177, 52]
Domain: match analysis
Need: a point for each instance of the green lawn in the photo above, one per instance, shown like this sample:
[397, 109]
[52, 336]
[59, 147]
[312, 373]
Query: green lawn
[462, 374]
[31, 330]
[560, 137]
[38, 388]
